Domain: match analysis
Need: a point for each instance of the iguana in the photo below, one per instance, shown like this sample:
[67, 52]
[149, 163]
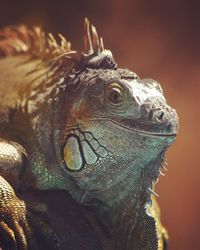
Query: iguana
[78, 123]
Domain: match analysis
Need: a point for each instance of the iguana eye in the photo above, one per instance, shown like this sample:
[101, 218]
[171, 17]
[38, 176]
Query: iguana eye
[114, 94]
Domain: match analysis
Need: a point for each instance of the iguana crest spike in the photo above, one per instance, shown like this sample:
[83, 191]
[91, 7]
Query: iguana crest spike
[20, 40]
[95, 56]
[91, 39]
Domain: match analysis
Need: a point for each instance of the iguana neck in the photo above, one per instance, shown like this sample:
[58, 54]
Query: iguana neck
[126, 209]
[131, 222]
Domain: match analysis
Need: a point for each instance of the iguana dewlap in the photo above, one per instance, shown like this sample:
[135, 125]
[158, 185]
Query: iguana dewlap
[77, 123]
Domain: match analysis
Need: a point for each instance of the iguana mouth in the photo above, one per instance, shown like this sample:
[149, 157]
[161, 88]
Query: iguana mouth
[134, 128]
[153, 134]
[169, 129]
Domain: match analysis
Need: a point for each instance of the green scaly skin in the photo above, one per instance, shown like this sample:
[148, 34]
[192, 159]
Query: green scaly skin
[82, 144]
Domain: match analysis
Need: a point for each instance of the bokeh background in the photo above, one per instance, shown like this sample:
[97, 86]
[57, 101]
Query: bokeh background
[156, 39]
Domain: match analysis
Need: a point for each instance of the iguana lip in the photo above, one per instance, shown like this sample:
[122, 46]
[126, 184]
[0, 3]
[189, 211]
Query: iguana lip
[168, 129]
[174, 129]
[145, 132]
[156, 134]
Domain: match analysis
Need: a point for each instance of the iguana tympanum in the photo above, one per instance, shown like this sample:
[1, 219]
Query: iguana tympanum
[77, 123]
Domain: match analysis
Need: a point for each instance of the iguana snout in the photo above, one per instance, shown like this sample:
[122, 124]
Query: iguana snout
[149, 111]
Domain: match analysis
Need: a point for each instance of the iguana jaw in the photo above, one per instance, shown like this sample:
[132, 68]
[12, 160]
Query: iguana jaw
[123, 163]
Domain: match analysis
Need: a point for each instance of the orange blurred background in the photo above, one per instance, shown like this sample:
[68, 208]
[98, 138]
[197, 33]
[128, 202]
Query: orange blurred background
[156, 39]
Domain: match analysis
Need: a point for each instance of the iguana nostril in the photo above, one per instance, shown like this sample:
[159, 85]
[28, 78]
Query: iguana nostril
[159, 114]
[156, 115]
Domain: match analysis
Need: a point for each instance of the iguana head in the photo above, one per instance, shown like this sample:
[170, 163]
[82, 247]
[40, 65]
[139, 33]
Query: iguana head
[116, 130]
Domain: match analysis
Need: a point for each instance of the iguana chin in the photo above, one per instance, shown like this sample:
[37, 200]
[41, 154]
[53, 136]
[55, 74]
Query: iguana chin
[75, 121]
